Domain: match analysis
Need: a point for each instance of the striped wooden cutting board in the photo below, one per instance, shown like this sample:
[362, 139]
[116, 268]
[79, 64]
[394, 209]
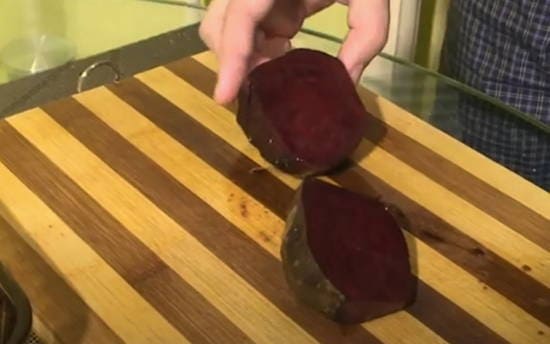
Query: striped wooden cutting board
[130, 214]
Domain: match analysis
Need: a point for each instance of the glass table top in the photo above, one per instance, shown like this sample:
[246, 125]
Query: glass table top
[76, 30]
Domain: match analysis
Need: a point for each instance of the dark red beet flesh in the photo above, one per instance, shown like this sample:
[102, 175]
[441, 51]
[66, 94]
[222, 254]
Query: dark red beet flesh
[302, 112]
[345, 255]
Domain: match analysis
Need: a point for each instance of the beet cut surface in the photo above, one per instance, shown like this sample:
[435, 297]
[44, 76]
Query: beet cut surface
[345, 256]
[302, 112]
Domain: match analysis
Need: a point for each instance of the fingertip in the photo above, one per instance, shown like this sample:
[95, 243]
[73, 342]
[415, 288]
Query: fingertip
[236, 48]
[369, 26]
[228, 84]
[222, 94]
[357, 52]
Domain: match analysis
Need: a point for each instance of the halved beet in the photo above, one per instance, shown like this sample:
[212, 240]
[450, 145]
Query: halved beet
[344, 254]
[302, 112]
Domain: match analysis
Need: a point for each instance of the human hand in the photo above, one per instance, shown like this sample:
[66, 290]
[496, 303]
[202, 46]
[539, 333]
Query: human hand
[246, 33]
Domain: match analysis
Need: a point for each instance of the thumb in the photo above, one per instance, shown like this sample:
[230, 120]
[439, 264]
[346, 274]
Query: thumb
[368, 21]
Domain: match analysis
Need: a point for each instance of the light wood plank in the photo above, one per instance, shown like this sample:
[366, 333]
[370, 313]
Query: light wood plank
[402, 328]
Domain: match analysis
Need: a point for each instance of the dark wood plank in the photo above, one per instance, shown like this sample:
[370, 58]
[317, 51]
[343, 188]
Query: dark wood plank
[441, 314]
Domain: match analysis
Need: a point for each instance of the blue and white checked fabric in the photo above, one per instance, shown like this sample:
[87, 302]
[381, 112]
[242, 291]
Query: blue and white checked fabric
[502, 47]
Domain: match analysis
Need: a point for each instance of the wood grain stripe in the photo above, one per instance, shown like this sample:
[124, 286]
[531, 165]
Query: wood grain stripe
[456, 152]
[62, 313]
[130, 258]
[167, 116]
[490, 268]
[449, 320]
[235, 166]
[473, 190]
[209, 276]
[501, 178]
[266, 235]
[185, 97]
[112, 299]
[477, 192]
[260, 269]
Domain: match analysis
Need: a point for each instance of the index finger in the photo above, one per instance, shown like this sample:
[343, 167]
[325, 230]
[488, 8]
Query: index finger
[237, 45]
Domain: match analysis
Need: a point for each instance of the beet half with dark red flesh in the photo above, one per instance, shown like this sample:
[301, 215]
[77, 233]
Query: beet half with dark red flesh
[302, 112]
[345, 255]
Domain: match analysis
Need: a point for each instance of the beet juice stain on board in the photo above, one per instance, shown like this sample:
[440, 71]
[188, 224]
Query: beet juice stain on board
[343, 253]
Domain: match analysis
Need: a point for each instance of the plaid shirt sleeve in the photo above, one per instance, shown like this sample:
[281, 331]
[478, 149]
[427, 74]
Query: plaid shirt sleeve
[503, 49]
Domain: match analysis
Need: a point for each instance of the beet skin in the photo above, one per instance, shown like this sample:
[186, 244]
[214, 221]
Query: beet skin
[302, 112]
[345, 256]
